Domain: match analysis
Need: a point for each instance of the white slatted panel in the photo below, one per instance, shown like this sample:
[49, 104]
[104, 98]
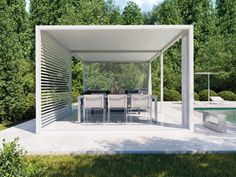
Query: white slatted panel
[55, 80]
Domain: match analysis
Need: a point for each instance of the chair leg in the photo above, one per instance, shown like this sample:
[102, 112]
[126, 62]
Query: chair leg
[150, 115]
[104, 115]
[125, 112]
[132, 115]
[84, 115]
[109, 113]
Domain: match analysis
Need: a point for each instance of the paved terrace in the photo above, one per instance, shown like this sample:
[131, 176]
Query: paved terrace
[66, 136]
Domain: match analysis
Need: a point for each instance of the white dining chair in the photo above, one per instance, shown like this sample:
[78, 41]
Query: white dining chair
[93, 102]
[117, 102]
[141, 102]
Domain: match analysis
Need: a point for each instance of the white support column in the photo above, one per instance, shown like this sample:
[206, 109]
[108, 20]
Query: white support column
[208, 78]
[84, 87]
[70, 84]
[161, 88]
[38, 79]
[150, 78]
[187, 79]
[162, 80]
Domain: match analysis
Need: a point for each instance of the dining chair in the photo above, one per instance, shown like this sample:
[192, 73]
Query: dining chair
[141, 102]
[93, 102]
[117, 102]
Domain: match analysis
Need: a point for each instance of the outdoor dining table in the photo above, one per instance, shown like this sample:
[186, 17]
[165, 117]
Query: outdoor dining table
[81, 97]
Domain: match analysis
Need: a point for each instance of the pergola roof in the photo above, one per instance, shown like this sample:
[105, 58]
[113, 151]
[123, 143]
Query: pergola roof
[116, 43]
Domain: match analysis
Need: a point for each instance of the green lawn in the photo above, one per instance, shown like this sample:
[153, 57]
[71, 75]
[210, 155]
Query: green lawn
[196, 165]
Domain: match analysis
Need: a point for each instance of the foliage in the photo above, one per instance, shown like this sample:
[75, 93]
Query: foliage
[77, 77]
[227, 95]
[101, 76]
[12, 162]
[171, 95]
[227, 14]
[29, 106]
[203, 95]
[196, 96]
[184, 165]
[13, 51]
[132, 14]
[157, 94]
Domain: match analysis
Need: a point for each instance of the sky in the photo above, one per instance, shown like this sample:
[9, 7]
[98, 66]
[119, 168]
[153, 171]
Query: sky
[145, 5]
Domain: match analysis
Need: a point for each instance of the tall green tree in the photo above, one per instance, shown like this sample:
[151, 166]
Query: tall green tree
[45, 12]
[132, 14]
[14, 49]
[113, 12]
[226, 11]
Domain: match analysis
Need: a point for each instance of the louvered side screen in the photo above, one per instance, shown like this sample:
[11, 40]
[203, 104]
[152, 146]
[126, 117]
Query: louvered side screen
[55, 80]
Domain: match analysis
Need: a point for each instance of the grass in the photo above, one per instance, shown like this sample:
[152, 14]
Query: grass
[137, 165]
[8, 124]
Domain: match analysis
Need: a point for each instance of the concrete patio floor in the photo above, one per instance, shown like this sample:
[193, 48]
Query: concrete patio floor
[66, 137]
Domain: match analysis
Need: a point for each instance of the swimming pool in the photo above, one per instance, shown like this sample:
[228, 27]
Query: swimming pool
[230, 113]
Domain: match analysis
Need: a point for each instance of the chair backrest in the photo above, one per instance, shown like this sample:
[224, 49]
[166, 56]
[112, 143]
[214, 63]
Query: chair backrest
[94, 101]
[117, 101]
[141, 101]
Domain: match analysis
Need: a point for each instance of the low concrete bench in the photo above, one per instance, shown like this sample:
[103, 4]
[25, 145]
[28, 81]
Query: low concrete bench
[216, 122]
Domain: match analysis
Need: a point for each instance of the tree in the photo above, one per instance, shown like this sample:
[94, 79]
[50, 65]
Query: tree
[53, 12]
[167, 13]
[113, 12]
[132, 14]
[14, 49]
[92, 12]
[226, 11]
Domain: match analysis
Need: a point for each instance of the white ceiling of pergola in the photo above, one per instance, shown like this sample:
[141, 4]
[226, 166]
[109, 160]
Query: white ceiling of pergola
[115, 43]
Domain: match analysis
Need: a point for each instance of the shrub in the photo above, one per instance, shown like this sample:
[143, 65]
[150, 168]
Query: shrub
[12, 162]
[203, 95]
[75, 96]
[227, 95]
[157, 94]
[196, 96]
[171, 95]
[29, 106]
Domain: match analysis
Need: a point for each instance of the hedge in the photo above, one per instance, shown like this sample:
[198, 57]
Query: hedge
[227, 95]
[196, 96]
[171, 95]
[203, 95]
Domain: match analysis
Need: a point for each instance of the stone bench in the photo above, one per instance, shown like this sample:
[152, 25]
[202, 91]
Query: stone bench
[216, 122]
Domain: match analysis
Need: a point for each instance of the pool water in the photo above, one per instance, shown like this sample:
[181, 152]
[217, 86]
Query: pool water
[230, 114]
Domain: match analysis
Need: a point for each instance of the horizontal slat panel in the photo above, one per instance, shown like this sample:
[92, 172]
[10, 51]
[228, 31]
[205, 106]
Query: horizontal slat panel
[50, 45]
[50, 66]
[46, 111]
[52, 72]
[51, 119]
[65, 109]
[53, 59]
[50, 96]
[53, 106]
[44, 77]
[55, 72]
[48, 103]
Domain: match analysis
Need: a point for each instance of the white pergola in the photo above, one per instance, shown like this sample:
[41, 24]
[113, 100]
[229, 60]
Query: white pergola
[55, 46]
